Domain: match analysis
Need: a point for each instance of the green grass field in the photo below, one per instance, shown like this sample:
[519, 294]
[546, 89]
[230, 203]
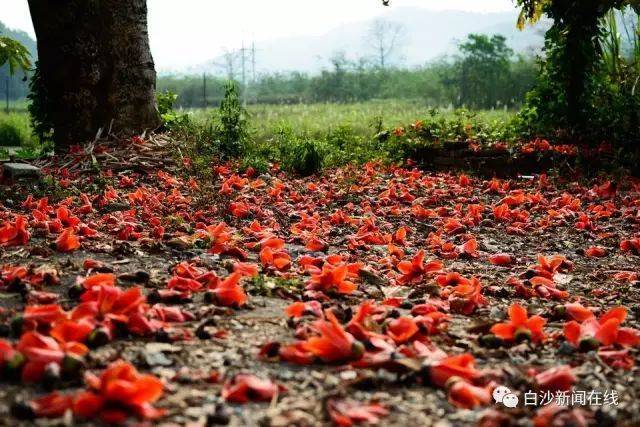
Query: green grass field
[318, 119]
[314, 119]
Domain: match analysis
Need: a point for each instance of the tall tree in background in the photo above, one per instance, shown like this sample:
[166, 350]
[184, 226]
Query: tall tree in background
[96, 66]
[482, 70]
[574, 51]
[384, 38]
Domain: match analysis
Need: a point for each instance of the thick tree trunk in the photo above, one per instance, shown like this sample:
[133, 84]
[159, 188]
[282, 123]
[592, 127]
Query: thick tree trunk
[96, 65]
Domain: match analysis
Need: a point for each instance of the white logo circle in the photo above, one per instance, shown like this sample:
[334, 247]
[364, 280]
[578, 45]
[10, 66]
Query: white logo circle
[499, 393]
[510, 400]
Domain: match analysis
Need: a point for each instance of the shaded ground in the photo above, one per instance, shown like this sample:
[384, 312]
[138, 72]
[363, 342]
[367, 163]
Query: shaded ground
[356, 213]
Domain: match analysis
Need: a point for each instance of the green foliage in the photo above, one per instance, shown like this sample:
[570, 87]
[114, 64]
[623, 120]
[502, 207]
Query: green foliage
[587, 96]
[40, 108]
[18, 84]
[482, 76]
[346, 81]
[297, 153]
[15, 54]
[438, 129]
[170, 118]
[232, 126]
[165, 102]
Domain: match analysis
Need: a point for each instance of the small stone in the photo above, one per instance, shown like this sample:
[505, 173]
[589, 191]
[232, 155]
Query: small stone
[17, 171]
[156, 359]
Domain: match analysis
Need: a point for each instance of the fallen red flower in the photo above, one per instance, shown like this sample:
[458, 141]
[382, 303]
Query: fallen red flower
[299, 309]
[107, 305]
[560, 378]
[462, 366]
[332, 277]
[333, 344]
[605, 330]
[53, 405]
[229, 293]
[595, 252]
[40, 351]
[467, 396]
[631, 245]
[413, 271]
[347, 412]
[67, 241]
[520, 326]
[42, 315]
[553, 415]
[15, 234]
[465, 298]
[501, 259]
[402, 329]
[245, 388]
[118, 392]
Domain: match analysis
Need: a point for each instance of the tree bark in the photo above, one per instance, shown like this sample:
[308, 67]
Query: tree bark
[96, 65]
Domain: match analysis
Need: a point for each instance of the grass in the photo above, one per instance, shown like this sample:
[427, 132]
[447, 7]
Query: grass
[305, 138]
[316, 120]
[15, 130]
[16, 137]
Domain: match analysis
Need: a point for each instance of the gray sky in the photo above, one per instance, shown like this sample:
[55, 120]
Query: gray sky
[187, 32]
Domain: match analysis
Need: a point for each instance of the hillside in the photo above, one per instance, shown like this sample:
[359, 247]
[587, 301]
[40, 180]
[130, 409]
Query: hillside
[427, 34]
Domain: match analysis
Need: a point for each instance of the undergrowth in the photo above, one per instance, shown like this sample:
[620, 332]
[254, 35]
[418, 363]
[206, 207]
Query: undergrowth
[229, 133]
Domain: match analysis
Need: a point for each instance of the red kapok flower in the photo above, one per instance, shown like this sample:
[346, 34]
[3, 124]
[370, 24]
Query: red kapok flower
[465, 298]
[560, 378]
[501, 259]
[119, 391]
[346, 413]
[402, 329]
[333, 344]
[67, 241]
[595, 252]
[15, 234]
[40, 351]
[229, 293]
[605, 331]
[467, 396]
[108, 304]
[520, 325]
[462, 366]
[413, 271]
[244, 388]
[53, 405]
[332, 277]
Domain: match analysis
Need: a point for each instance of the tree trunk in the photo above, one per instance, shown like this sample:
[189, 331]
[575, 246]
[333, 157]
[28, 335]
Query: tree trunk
[96, 66]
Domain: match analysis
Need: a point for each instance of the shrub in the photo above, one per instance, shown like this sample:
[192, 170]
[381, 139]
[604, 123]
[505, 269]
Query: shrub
[233, 125]
[298, 153]
[171, 119]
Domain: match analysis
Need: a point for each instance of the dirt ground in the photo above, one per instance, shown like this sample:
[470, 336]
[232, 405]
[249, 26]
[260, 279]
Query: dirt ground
[194, 359]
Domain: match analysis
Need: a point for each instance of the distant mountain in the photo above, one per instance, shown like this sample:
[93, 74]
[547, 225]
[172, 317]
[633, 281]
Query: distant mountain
[428, 35]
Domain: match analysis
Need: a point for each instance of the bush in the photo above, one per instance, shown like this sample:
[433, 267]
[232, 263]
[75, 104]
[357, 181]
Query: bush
[298, 153]
[170, 118]
[233, 122]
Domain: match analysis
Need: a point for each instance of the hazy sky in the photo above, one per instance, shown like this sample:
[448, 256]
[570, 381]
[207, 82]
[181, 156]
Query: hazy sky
[189, 32]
